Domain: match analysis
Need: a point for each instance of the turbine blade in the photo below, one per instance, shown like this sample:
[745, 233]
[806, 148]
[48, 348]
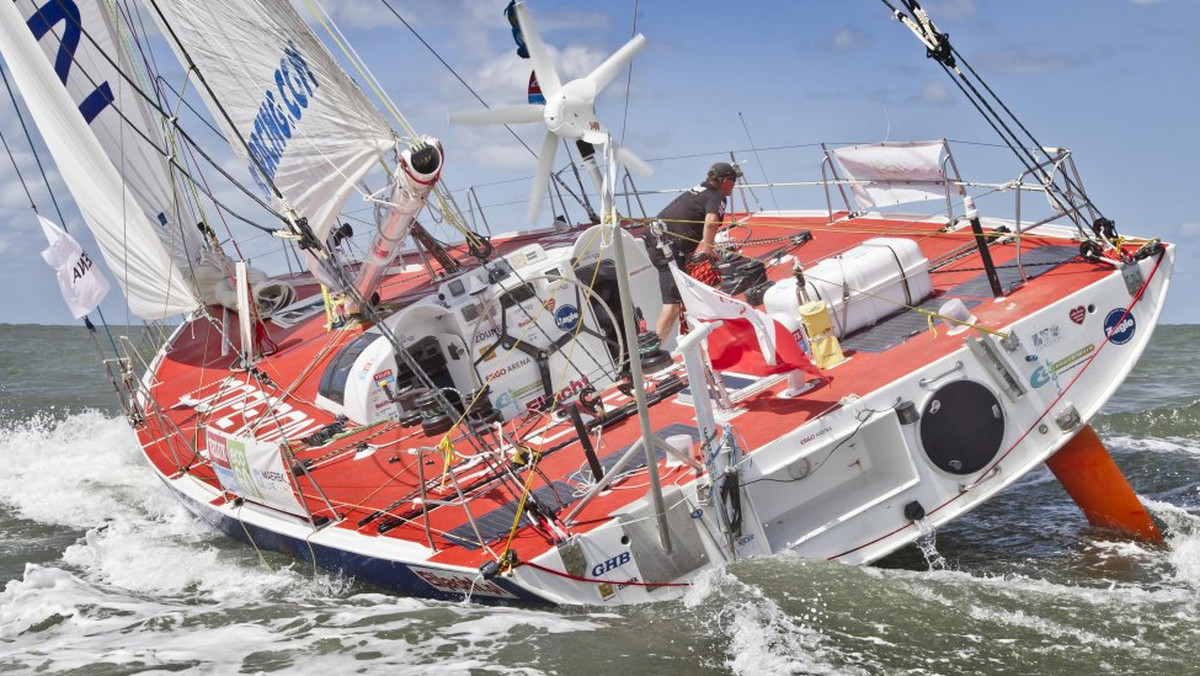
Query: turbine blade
[613, 65]
[636, 164]
[547, 76]
[500, 115]
[541, 179]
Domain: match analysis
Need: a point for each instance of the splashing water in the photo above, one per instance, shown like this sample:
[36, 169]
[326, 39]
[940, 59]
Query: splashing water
[927, 543]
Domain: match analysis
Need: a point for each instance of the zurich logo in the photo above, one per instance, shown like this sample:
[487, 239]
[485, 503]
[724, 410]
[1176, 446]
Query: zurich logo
[1119, 326]
[566, 317]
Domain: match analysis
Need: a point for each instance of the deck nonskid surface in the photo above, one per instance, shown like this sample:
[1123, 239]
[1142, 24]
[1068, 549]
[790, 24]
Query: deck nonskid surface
[372, 476]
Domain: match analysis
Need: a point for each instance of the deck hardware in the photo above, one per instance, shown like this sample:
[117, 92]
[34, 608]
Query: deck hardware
[926, 382]
[1132, 274]
[981, 243]
[914, 511]
[1011, 343]
[997, 367]
[1069, 420]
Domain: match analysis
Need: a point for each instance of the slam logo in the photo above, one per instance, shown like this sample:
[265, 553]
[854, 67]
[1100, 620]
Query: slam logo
[1120, 326]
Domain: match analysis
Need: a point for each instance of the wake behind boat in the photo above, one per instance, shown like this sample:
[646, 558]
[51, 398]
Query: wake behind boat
[496, 418]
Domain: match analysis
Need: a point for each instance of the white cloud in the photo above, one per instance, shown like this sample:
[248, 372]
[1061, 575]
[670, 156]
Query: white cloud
[1189, 229]
[1024, 61]
[935, 92]
[847, 39]
[952, 9]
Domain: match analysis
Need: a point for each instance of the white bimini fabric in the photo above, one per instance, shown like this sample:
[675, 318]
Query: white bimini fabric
[897, 173]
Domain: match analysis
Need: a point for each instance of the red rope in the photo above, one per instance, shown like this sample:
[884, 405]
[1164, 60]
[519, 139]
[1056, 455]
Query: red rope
[635, 583]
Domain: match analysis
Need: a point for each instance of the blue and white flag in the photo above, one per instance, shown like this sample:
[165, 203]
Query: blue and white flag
[82, 284]
[510, 12]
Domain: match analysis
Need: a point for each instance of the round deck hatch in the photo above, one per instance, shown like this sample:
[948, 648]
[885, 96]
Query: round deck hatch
[962, 427]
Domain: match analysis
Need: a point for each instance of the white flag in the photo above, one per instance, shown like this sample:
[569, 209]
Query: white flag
[82, 284]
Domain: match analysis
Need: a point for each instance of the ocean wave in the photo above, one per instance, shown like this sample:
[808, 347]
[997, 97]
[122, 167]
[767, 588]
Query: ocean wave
[1181, 421]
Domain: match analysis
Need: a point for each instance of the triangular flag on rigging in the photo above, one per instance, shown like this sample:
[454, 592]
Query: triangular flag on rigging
[82, 284]
[748, 341]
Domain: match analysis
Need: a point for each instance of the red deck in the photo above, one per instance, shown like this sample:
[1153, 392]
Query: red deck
[385, 485]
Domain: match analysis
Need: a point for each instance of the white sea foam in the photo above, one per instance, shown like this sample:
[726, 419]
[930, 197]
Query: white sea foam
[1154, 444]
[1183, 540]
[763, 637]
[74, 472]
[149, 585]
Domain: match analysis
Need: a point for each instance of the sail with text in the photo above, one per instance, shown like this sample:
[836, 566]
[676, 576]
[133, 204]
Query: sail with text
[298, 121]
[77, 99]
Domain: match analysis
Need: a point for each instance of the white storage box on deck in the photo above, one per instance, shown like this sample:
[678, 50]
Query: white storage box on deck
[882, 275]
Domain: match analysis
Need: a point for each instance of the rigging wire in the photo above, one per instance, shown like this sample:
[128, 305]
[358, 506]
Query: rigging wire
[173, 121]
[453, 72]
[629, 76]
[32, 204]
[938, 47]
[763, 169]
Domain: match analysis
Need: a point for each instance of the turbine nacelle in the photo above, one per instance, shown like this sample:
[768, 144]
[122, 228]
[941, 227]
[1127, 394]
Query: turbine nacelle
[571, 114]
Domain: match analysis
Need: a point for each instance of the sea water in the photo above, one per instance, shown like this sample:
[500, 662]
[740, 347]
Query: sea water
[104, 572]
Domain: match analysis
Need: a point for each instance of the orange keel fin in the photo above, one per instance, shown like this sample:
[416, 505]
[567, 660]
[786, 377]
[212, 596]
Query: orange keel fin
[1085, 468]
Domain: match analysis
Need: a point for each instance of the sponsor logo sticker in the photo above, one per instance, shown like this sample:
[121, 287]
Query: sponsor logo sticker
[1046, 337]
[1078, 314]
[461, 584]
[566, 317]
[1120, 326]
[1044, 374]
[610, 564]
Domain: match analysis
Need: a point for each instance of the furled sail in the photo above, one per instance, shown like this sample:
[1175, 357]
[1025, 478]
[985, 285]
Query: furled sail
[132, 244]
[306, 126]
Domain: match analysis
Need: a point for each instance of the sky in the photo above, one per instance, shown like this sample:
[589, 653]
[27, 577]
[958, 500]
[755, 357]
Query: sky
[1116, 81]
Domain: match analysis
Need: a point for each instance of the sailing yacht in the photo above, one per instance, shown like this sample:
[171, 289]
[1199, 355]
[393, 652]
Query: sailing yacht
[490, 416]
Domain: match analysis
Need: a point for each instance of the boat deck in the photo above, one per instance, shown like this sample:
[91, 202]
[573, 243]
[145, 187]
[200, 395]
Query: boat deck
[370, 478]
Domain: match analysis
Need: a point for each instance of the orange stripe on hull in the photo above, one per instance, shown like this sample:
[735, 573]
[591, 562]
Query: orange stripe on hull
[1085, 468]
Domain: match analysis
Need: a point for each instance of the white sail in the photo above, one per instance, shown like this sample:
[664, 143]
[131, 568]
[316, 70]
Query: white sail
[306, 126]
[129, 241]
[81, 40]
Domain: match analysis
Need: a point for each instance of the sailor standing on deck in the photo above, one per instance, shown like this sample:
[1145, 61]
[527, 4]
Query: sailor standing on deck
[687, 225]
